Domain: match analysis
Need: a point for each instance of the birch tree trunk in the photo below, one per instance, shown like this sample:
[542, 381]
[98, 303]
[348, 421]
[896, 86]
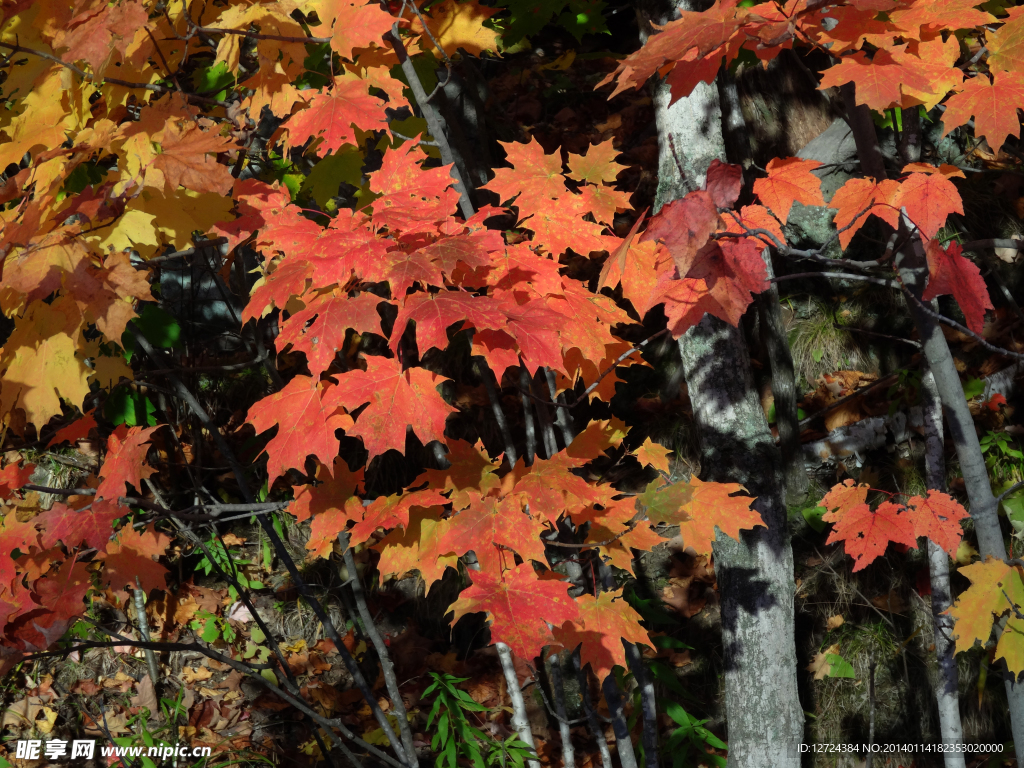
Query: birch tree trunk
[764, 716]
[947, 690]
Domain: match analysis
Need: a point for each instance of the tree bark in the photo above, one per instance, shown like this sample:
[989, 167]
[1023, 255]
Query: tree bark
[947, 690]
[762, 703]
[984, 507]
[755, 574]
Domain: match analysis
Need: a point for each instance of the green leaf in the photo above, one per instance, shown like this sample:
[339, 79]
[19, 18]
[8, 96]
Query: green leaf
[126, 406]
[325, 179]
[81, 177]
[211, 632]
[974, 388]
[160, 328]
[215, 79]
[839, 667]
[813, 517]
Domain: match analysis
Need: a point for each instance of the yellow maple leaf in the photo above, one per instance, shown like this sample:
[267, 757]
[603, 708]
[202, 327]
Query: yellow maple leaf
[459, 25]
[40, 365]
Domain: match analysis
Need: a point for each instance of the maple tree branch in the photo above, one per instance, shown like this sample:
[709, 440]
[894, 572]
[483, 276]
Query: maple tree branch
[160, 54]
[992, 242]
[43, 55]
[1013, 488]
[156, 260]
[386, 665]
[911, 342]
[586, 544]
[837, 276]
[981, 340]
[435, 123]
[113, 80]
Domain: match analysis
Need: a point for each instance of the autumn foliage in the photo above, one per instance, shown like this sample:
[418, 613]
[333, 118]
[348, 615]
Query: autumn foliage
[370, 292]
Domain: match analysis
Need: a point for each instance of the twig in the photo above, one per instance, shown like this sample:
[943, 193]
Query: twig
[1008, 491]
[856, 393]
[911, 342]
[558, 692]
[140, 609]
[837, 276]
[981, 340]
[387, 667]
[250, 671]
[181, 254]
[647, 702]
[520, 721]
[583, 397]
[588, 708]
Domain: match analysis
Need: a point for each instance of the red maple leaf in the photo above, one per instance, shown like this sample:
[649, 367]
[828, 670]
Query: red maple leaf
[866, 533]
[186, 159]
[698, 508]
[993, 104]
[13, 477]
[500, 351]
[331, 493]
[520, 606]
[61, 594]
[551, 489]
[937, 517]
[789, 180]
[125, 462]
[950, 272]
[417, 547]
[130, 556]
[307, 421]
[534, 182]
[434, 313]
[326, 526]
[929, 198]
[289, 279]
[684, 226]
[93, 526]
[878, 78]
[389, 511]
[331, 114]
[322, 337]
[603, 624]
[859, 198]
[77, 430]
[472, 249]
[724, 182]
[488, 523]
[412, 198]
[397, 399]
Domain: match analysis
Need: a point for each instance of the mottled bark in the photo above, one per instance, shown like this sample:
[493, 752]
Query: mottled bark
[755, 574]
[947, 688]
